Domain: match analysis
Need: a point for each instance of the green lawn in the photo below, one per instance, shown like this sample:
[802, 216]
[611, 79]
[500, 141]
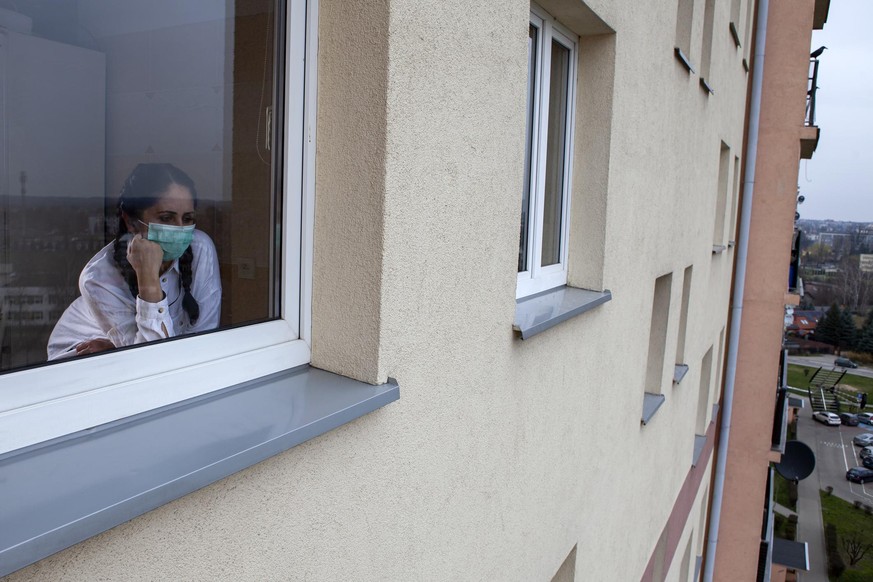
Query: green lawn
[798, 377]
[849, 521]
[780, 492]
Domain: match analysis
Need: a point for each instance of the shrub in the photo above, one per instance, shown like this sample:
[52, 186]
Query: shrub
[829, 490]
[859, 504]
[860, 357]
[836, 565]
[791, 528]
[854, 576]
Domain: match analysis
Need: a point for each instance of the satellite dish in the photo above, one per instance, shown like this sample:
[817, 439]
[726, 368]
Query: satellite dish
[798, 461]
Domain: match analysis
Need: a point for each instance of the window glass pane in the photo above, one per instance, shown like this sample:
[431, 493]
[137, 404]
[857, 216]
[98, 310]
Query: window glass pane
[524, 239]
[119, 119]
[559, 86]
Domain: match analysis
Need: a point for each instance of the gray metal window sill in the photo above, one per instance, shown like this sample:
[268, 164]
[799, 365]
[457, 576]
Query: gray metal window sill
[683, 59]
[735, 34]
[679, 372]
[651, 404]
[72, 488]
[537, 313]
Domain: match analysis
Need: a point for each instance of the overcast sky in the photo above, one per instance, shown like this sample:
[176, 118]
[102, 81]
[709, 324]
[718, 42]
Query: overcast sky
[838, 181]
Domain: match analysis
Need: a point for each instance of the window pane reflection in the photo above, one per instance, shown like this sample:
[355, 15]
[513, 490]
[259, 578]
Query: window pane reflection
[528, 149]
[91, 90]
[555, 154]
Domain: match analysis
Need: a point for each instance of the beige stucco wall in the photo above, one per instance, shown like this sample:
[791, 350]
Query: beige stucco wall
[501, 454]
[775, 191]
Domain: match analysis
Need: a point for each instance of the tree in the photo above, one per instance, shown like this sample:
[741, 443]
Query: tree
[818, 253]
[853, 283]
[847, 333]
[855, 549]
[837, 328]
[865, 336]
[826, 329]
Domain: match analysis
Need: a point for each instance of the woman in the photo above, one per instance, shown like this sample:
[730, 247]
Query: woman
[158, 279]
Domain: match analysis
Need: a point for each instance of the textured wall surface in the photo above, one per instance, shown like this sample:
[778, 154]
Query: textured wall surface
[783, 100]
[350, 187]
[502, 454]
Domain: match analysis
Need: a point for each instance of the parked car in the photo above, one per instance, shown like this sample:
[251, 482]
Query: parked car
[830, 418]
[849, 419]
[859, 474]
[865, 452]
[865, 417]
[845, 363]
[863, 440]
[867, 462]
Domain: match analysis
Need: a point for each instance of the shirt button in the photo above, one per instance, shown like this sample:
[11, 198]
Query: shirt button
[160, 309]
[164, 280]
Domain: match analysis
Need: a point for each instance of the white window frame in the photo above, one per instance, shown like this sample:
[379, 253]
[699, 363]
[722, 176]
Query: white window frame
[56, 400]
[538, 278]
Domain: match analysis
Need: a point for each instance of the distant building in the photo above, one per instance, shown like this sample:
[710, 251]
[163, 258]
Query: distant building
[804, 322]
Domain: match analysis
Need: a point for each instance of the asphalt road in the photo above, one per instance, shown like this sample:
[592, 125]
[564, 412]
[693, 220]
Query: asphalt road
[834, 455]
[827, 361]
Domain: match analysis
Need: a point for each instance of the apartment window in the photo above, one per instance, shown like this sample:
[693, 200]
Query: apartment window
[706, 48]
[750, 19]
[735, 21]
[653, 396]
[684, 26]
[718, 230]
[161, 116]
[658, 333]
[552, 65]
[683, 315]
[735, 198]
[703, 395]
[719, 370]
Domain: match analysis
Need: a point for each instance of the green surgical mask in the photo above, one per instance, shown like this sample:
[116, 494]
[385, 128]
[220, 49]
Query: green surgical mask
[174, 240]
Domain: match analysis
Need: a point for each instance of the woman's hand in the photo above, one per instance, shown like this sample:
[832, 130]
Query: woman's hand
[145, 257]
[93, 346]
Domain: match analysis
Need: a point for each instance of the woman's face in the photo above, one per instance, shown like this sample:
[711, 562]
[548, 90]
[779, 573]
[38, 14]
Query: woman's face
[174, 208]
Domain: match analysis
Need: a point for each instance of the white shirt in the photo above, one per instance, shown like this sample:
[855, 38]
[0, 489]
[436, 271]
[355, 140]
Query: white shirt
[107, 310]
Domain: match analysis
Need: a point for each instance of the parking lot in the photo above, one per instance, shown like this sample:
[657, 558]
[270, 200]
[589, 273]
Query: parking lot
[834, 454]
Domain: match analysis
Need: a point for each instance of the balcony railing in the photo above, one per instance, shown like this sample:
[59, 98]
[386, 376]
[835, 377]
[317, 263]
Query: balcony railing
[794, 284]
[811, 87]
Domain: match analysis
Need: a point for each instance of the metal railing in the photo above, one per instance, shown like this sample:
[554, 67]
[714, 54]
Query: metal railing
[794, 266]
[811, 88]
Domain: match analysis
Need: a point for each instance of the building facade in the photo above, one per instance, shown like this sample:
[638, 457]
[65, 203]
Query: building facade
[476, 263]
[787, 134]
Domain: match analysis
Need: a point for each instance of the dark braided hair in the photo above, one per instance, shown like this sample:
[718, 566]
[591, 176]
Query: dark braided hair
[142, 190]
